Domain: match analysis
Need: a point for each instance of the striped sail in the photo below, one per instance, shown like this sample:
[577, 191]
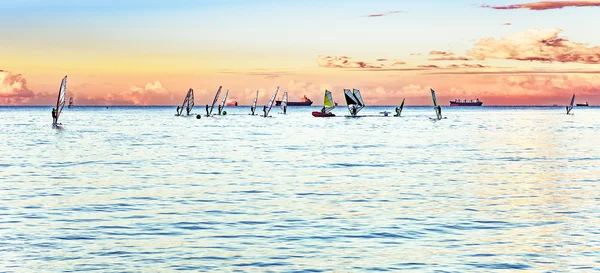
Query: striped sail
[284, 101]
[222, 105]
[253, 108]
[215, 100]
[60, 102]
[270, 104]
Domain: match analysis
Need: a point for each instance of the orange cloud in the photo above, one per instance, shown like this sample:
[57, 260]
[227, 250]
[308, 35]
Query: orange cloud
[398, 63]
[545, 5]
[429, 66]
[536, 45]
[383, 14]
[436, 55]
[342, 62]
[13, 89]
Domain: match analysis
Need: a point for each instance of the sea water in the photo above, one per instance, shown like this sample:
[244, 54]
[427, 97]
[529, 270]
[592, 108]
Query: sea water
[137, 189]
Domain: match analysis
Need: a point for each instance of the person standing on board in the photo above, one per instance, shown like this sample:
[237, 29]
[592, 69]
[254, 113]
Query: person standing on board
[207, 110]
[264, 111]
[178, 110]
[397, 111]
[53, 115]
[187, 110]
[219, 109]
[284, 109]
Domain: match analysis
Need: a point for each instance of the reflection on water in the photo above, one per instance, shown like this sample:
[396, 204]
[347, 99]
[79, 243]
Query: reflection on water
[138, 189]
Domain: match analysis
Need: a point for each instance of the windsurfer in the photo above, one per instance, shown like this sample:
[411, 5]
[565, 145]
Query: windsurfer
[323, 110]
[187, 109]
[252, 110]
[397, 111]
[53, 115]
[178, 110]
[264, 110]
[220, 109]
[284, 109]
[439, 112]
[207, 110]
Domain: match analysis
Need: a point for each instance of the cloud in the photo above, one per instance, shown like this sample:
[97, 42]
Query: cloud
[536, 45]
[265, 74]
[398, 63]
[507, 24]
[343, 62]
[428, 66]
[436, 55]
[153, 93]
[383, 14]
[13, 89]
[382, 60]
[546, 5]
[415, 54]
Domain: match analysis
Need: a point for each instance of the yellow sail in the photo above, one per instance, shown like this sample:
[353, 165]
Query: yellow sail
[328, 101]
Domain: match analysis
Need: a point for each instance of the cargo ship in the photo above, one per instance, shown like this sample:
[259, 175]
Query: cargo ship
[476, 102]
[583, 104]
[303, 102]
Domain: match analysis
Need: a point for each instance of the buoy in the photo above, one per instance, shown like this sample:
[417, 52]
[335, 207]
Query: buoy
[224, 112]
[198, 116]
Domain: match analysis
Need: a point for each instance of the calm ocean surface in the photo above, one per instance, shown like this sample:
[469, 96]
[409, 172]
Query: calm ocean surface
[136, 189]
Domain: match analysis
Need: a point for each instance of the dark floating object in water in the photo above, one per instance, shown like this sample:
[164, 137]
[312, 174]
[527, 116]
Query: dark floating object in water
[198, 116]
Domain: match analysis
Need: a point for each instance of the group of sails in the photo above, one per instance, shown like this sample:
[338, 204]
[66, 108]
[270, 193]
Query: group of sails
[353, 99]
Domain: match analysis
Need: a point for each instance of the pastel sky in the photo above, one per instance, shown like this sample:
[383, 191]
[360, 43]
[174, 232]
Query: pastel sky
[151, 52]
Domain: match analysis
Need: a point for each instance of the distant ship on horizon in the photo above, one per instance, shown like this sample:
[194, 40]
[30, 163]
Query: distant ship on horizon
[583, 104]
[303, 102]
[458, 102]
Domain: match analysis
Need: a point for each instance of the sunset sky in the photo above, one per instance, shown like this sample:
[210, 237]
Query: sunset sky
[151, 52]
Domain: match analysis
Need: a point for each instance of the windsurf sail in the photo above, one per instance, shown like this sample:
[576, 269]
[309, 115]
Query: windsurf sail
[328, 102]
[354, 101]
[215, 100]
[60, 102]
[222, 105]
[270, 104]
[253, 108]
[188, 103]
[438, 109]
[570, 107]
[399, 111]
[284, 101]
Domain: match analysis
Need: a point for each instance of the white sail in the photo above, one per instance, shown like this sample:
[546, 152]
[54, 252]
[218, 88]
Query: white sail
[284, 101]
[188, 102]
[358, 97]
[270, 104]
[215, 100]
[253, 108]
[438, 109]
[570, 107]
[222, 105]
[60, 102]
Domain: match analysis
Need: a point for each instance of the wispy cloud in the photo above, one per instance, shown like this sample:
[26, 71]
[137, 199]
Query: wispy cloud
[546, 5]
[536, 45]
[437, 55]
[343, 62]
[507, 24]
[383, 14]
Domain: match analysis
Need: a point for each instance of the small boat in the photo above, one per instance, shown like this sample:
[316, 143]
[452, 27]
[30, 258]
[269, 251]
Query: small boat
[267, 108]
[60, 102]
[209, 112]
[354, 101]
[583, 104]
[253, 107]
[457, 102]
[188, 103]
[303, 102]
[570, 107]
[328, 105]
[70, 102]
